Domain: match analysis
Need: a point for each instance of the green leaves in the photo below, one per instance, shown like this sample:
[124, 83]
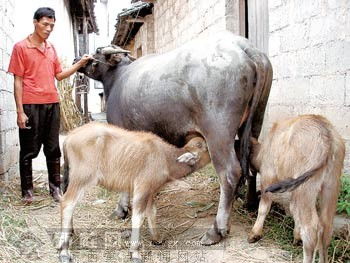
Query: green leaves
[343, 205]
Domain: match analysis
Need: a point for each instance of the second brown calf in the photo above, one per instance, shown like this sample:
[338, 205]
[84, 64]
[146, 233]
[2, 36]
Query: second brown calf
[304, 155]
[136, 162]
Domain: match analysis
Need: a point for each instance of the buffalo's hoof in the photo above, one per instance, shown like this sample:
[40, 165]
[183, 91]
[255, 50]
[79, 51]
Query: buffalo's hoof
[212, 237]
[254, 238]
[65, 259]
[252, 205]
[136, 260]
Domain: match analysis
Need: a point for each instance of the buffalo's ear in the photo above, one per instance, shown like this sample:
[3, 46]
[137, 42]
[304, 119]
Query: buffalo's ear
[188, 158]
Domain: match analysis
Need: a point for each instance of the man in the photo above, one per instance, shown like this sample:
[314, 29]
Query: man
[35, 65]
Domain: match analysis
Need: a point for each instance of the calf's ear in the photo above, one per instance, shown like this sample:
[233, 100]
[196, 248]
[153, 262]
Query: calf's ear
[188, 158]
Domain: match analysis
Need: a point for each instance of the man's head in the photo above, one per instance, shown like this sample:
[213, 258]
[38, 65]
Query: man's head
[44, 21]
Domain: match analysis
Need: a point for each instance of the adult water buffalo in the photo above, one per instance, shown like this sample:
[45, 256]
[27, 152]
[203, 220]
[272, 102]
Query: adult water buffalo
[217, 87]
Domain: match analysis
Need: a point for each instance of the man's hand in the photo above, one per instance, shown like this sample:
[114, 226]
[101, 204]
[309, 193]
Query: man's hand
[84, 60]
[22, 120]
[74, 68]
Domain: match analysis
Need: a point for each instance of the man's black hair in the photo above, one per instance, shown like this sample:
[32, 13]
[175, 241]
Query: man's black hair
[44, 12]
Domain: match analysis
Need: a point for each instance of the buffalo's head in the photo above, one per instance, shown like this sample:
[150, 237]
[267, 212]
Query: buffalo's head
[104, 59]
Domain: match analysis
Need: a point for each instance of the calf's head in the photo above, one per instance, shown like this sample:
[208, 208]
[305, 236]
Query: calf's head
[104, 59]
[255, 148]
[196, 154]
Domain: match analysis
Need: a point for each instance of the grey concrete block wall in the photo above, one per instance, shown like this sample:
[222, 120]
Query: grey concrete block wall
[8, 127]
[309, 47]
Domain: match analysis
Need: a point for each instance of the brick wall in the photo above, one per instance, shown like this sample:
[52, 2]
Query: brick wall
[309, 49]
[178, 21]
[174, 22]
[8, 127]
[145, 37]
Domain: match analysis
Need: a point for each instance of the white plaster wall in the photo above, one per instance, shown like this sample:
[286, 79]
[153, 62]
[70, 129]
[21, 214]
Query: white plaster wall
[8, 126]
[62, 35]
[106, 12]
[95, 41]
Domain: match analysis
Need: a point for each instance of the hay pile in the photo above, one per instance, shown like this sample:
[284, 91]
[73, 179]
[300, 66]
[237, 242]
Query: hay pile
[71, 117]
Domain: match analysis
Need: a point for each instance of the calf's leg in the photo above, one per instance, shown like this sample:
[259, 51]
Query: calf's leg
[121, 211]
[68, 203]
[264, 208]
[138, 215]
[304, 211]
[151, 218]
[296, 233]
[328, 204]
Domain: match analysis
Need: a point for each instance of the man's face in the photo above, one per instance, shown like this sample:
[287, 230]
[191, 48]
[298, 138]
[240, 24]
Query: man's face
[44, 26]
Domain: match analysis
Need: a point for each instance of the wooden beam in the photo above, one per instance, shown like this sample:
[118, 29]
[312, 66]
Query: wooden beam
[135, 20]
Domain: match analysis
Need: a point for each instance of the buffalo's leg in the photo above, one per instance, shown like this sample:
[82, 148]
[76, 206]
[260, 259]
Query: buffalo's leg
[229, 171]
[121, 211]
[252, 200]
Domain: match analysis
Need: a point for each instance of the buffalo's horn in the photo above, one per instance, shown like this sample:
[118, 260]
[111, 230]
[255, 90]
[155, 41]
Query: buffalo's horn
[131, 57]
[113, 50]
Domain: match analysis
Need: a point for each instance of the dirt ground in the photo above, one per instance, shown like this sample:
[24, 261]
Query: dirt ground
[186, 209]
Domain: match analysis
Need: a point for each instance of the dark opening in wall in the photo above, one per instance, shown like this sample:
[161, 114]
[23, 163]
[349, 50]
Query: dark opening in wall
[139, 51]
[246, 34]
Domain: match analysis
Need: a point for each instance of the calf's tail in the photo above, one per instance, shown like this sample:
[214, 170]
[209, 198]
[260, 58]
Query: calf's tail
[65, 181]
[291, 183]
[317, 161]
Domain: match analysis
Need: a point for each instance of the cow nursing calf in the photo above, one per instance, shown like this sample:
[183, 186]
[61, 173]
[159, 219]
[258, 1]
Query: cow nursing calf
[304, 155]
[136, 162]
[217, 87]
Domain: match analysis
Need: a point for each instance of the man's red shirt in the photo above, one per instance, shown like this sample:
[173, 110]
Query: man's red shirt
[38, 69]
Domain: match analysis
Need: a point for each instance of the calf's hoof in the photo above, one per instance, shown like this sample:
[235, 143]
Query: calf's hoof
[136, 260]
[297, 242]
[120, 213]
[253, 238]
[65, 259]
[126, 234]
[157, 242]
[212, 237]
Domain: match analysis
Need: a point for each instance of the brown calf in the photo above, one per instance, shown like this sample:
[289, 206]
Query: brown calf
[305, 155]
[135, 162]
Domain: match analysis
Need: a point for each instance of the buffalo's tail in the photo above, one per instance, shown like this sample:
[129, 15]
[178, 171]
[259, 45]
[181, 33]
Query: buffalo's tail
[252, 126]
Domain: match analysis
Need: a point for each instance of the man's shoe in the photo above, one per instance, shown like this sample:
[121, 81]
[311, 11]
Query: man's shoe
[55, 192]
[53, 169]
[27, 196]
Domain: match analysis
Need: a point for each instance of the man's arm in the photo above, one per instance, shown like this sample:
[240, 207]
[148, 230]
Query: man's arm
[18, 91]
[74, 68]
